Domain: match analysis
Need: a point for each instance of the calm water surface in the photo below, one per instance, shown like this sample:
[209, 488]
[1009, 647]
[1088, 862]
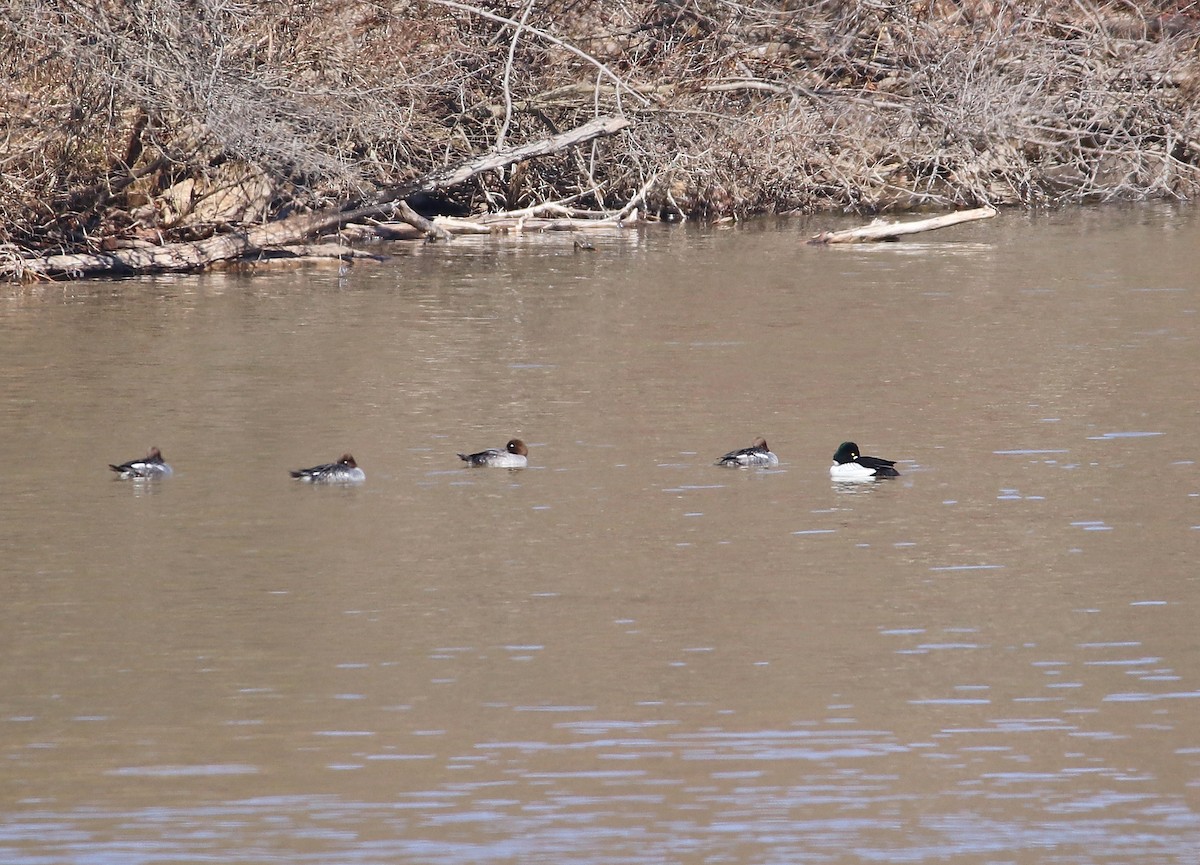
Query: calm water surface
[622, 654]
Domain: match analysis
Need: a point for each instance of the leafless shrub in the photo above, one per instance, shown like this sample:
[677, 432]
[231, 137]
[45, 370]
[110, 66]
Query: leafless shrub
[108, 105]
[875, 105]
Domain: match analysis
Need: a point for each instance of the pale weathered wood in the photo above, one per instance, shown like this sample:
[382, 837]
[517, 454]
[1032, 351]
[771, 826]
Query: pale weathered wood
[458, 225]
[597, 128]
[879, 230]
[431, 230]
[493, 224]
[248, 241]
[321, 251]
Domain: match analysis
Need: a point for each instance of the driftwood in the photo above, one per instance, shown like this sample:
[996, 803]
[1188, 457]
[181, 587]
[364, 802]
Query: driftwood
[412, 226]
[313, 251]
[879, 230]
[431, 230]
[524, 221]
[248, 241]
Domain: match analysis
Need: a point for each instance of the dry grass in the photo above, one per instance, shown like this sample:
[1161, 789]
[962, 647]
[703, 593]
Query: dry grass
[108, 106]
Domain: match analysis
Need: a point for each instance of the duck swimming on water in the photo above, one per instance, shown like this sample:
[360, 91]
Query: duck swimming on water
[758, 454]
[149, 466]
[850, 465]
[344, 471]
[513, 456]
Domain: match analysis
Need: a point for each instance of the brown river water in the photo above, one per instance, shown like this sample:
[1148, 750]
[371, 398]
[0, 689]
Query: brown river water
[622, 654]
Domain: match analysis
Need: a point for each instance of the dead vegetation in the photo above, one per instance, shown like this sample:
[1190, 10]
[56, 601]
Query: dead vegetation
[128, 122]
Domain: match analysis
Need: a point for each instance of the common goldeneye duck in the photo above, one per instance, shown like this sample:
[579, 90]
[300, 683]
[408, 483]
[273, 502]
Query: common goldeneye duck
[344, 471]
[512, 457]
[758, 454]
[149, 466]
[850, 465]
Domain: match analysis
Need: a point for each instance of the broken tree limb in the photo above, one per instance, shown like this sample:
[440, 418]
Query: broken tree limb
[431, 230]
[248, 241]
[314, 251]
[597, 128]
[879, 230]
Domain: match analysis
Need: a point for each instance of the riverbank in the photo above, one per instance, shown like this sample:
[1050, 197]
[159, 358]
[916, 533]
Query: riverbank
[132, 127]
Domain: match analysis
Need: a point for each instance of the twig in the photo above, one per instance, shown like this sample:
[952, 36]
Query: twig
[554, 40]
[507, 79]
[637, 198]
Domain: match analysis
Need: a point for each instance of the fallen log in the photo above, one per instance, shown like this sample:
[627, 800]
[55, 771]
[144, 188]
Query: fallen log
[431, 230]
[318, 252]
[446, 227]
[412, 226]
[248, 241]
[879, 230]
